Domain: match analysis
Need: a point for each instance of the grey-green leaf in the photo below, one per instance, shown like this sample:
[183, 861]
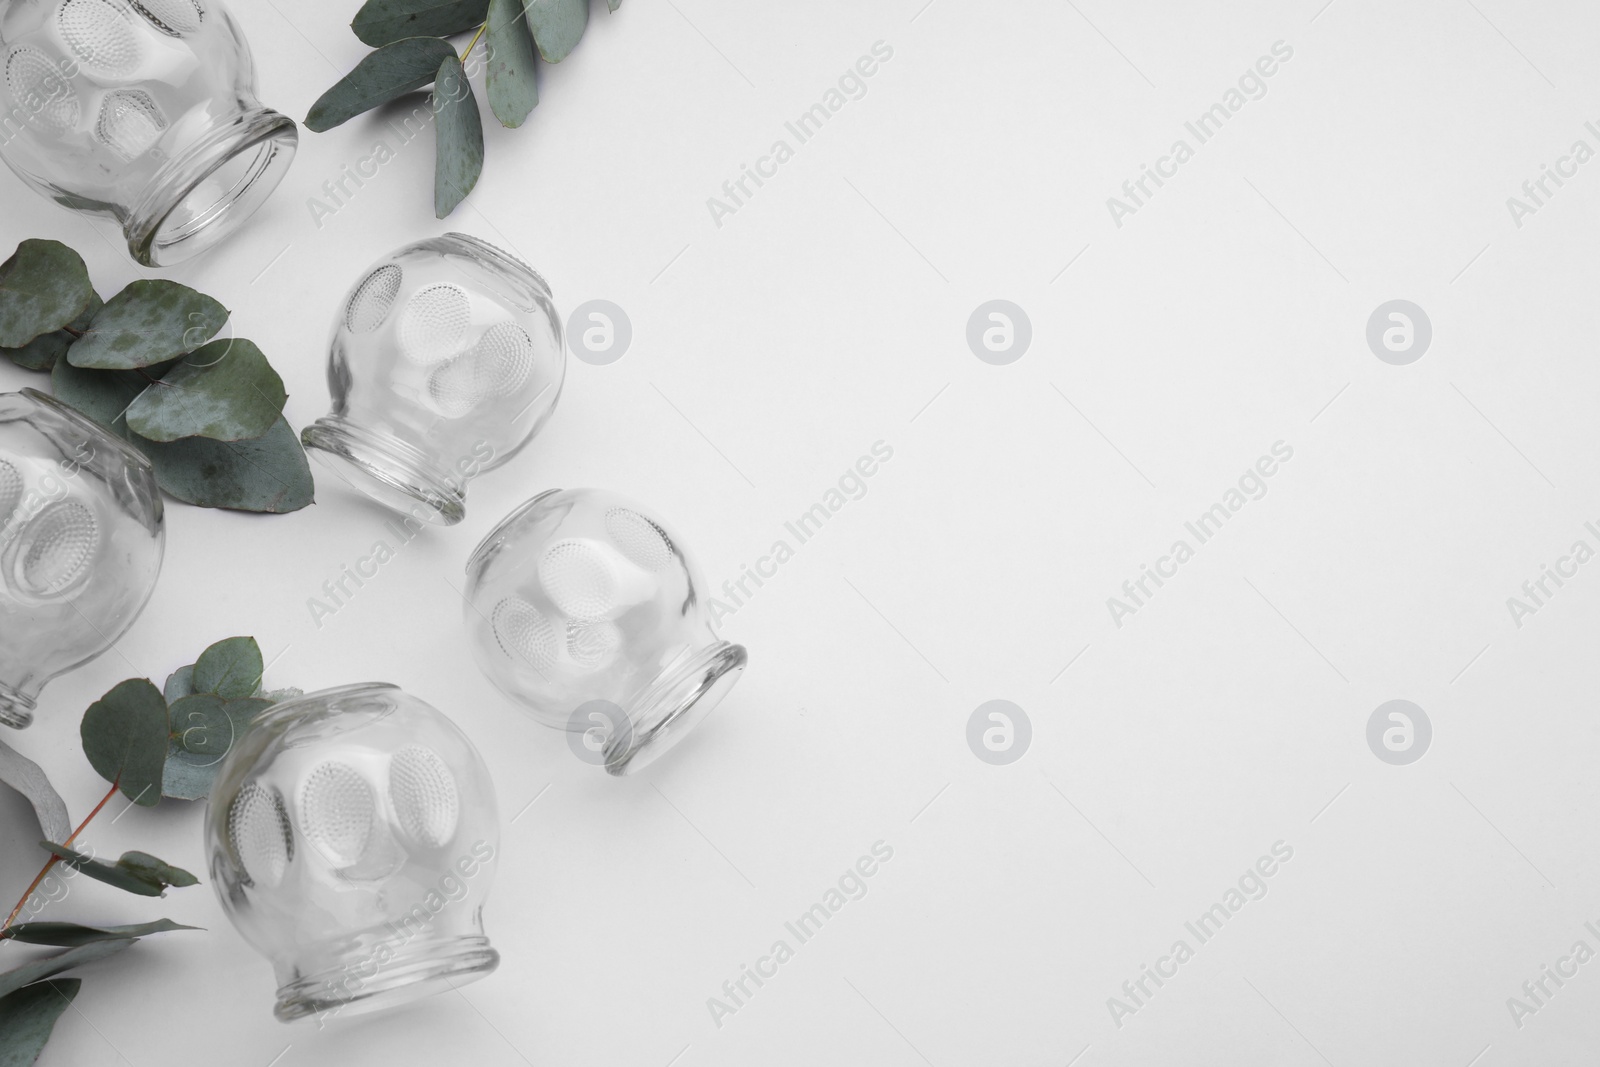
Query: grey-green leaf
[230, 668]
[180, 683]
[28, 1018]
[151, 321]
[613, 4]
[459, 159]
[26, 777]
[39, 970]
[204, 728]
[269, 473]
[226, 391]
[156, 870]
[513, 90]
[381, 22]
[558, 25]
[392, 71]
[70, 935]
[43, 351]
[101, 395]
[135, 872]
[125, 737]
[43, 287]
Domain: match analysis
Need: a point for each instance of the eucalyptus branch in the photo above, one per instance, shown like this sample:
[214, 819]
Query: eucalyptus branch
[53, 860]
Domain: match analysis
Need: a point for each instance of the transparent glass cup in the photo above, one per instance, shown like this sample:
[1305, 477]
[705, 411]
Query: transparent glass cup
[446, 358]
[141, 110]
[352, 836]
[586, 611]
[81, 541]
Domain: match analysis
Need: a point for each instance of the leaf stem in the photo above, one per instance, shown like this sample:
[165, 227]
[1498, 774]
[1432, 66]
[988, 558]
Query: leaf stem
[54, 859]
[473, 43]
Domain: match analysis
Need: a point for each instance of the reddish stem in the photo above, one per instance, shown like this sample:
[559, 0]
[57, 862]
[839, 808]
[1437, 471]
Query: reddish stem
[55, 859]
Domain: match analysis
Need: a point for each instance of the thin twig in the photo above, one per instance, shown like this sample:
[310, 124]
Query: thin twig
[54, 859]
[474, 41]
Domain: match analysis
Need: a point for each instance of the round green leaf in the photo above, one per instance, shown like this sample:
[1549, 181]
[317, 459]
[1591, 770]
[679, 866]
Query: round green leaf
[230, 668]
[125, 737]
[459, 159]
[392, 71]
[269, 473]
[151, 321]
[180, 683]
[558, 25]
[43, 351]
[103, 396]
[381, 22]
[226, 391]
[204, 728]
[43, 287]
[513, 91]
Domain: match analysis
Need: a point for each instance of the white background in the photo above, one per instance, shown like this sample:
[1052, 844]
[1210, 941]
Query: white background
[829, 313]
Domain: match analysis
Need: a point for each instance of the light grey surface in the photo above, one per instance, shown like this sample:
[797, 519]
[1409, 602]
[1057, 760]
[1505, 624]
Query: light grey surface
[830, 311]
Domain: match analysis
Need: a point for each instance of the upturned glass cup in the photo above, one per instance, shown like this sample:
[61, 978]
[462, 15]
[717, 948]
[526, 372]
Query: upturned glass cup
[446, 358]
[141, 110]
[585, 609]
[352, 836]
[81, 540]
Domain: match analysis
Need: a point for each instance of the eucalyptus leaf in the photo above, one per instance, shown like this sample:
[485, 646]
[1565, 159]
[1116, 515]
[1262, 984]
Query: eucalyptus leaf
[155, 870]
[26, 777]
[460, 137]
[381, 22]
[43, 287]
[135, 872]
[49, 966]
[180, 683]
[392, 71]
[225, 390]
[230, 668]
[558, 26]
[613, 4]
[69, 935]
[205, 727]
[201, 727]
[43, 351]
[28, 1018]
[513, 90]
[103, 396]
[151, 321]
[125, 737]
[269, 473]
